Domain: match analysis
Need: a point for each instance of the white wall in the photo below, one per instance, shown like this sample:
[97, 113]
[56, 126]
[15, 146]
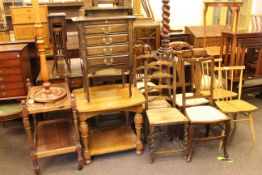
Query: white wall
[256, 7]
[182, 12]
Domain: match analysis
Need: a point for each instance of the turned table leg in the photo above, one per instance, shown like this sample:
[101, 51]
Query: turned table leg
[138, 126]
[84, 137]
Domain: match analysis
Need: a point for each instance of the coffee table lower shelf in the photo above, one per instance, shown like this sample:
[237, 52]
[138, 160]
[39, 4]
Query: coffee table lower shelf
[55, 137]
[109, 140]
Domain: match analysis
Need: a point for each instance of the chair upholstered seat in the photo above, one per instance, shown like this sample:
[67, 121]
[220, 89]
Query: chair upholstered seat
[205, 114]
[190, 102]
[163, 116]
[9, 111]
[234, 106]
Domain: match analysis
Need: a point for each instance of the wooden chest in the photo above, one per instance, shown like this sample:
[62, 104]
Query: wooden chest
[23, 20]
[14, 71]
[105, 43]
[213, 35]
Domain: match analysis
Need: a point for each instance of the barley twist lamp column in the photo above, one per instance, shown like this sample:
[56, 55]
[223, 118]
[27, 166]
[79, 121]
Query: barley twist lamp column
[47, 93]
[165, 48]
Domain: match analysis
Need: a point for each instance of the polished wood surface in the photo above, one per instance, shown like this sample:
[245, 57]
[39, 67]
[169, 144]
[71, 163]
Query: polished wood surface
[15, 70]
[108, 97]
[111, 140]
[103, 100]
[213, 35]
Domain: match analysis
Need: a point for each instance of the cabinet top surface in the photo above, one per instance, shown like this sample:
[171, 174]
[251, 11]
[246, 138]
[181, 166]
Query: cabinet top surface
[12, 47]
[83, 18]
[109, 97]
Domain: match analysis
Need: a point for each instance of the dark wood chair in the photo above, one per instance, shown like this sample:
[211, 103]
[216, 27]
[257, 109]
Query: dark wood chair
[160, 116]
[205, 114]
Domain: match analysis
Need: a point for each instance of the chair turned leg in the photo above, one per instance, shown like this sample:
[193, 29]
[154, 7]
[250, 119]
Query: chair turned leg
[251, 121]
[227, 132]
[191, 129]
[234, 126]
[207, 130]
[152, 132]
[80, 159]
[221, 142]
[36, 165]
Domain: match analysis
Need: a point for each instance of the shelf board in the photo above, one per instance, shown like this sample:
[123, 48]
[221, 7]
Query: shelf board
[110, 140]
[55, 137]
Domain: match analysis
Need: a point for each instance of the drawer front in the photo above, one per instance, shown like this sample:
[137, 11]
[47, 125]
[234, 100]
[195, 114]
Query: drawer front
[104, 40]
[9, 55]
[25, 15]
[10, 71]
[10, 63]
[106, 29]
[8, 86]
[107, 50]
[107, 61]
[24, 32]
[10, 78]
[12, 93]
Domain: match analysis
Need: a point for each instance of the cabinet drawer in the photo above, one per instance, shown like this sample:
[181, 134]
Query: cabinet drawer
[8, 86]
[10, 78]
[10, 71]
[25, 15]
[10, 63]
[12, 93]
[109, 39]
[9, 55]
[24, 32]
[107, 61]
[107, 50]
[106, 29]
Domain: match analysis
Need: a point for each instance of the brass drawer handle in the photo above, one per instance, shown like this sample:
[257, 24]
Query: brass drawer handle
[1, 72]
[107, 29]
[108, 51]
[18, 56]
[1, 79]
[2, 86]
[109, 61]
[107, 40]
[4, 94]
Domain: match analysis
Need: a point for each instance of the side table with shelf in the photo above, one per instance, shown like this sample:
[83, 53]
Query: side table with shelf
[104, 100]
[55, 136]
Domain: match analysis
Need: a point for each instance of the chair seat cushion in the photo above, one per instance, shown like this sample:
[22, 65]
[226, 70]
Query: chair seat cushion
[234, 106]
[164, 116]
[205, 114]
[190, 102]
[8, 109]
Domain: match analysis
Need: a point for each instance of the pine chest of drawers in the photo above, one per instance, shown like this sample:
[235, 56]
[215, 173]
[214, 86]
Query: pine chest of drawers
[105, 42]
[14, 71]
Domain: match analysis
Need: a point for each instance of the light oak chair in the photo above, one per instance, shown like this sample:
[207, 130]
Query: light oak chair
[160, 116]
[205, 114]
[232, 106]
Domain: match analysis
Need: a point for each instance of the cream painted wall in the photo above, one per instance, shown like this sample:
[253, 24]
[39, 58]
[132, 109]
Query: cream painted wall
[182, 12]
[256, 7]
